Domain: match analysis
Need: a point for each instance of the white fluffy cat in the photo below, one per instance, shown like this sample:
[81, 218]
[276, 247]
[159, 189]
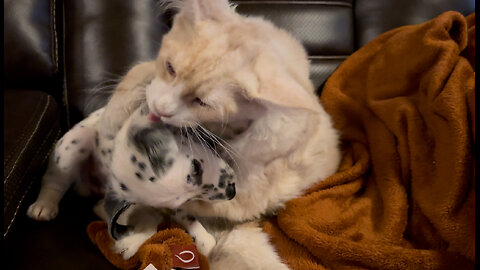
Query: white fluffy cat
[225, 71]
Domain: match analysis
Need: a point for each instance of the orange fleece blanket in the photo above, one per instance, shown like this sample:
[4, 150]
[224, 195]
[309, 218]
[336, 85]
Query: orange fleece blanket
[404, 196]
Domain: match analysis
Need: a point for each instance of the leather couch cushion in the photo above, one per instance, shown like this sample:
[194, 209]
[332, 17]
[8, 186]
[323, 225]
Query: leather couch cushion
[375, 17]
[31, 125]
[31, 41]
[103, 40]
[325, 28]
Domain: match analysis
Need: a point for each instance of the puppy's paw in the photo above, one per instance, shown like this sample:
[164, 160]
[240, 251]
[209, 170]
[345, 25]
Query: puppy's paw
[42, 210]
[129, 245]
[205, 243]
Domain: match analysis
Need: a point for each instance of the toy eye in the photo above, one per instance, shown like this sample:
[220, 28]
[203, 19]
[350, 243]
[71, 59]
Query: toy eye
[200, 102]
[170, 69]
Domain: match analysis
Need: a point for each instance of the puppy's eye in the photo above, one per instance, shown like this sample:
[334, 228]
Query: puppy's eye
[170, 69]
[200, 102]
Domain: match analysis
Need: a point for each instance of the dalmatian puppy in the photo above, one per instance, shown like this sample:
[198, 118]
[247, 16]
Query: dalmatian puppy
[147, 165]
[148, 159]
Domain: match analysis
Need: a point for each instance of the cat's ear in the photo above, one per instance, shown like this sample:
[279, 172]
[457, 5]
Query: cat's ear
[274, 84]
[193, 11]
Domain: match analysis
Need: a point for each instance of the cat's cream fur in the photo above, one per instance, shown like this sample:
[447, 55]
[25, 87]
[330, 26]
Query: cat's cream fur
[216, 66]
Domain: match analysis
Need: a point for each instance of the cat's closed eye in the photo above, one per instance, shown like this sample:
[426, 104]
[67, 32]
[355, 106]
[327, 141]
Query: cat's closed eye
[200, 102]
[170, 69]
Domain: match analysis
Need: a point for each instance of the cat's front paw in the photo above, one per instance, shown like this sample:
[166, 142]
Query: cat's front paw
[43, 210]
[129, 245]
[205, 243]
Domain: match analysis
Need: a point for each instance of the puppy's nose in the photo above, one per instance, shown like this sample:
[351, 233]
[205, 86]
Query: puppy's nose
[230, 191]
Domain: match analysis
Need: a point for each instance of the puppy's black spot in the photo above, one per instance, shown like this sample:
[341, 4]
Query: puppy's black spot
[207, 187]
[194, 239]
[142, 166]
[189, 179]
[197, 172]
[109, 151]
[191, 218]
[201, 160]
[139, 175]
[103, 152]
[218, 196]
[133, 159]
[74, 141]
[230, 191]
[151, 179]
[215, 189]
[224, 176]
[123, 187]
[153, 142]
[82, 126]
[170, 162]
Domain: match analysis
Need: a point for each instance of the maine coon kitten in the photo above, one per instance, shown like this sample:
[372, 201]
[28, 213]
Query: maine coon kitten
[216, 68]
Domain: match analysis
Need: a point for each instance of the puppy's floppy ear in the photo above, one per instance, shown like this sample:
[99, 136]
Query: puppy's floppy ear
[276, 85]
[193, 11]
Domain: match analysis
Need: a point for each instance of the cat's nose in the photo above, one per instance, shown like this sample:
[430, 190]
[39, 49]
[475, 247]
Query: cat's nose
[165, 108]
[230, 191]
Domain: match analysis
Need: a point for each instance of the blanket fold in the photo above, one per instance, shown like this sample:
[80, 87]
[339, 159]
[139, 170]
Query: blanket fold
[404, 196]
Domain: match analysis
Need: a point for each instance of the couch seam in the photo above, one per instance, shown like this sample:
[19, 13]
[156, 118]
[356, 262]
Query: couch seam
[30, 165]
[29, 139]
[28, 188]
[16, 210]
[55, 49]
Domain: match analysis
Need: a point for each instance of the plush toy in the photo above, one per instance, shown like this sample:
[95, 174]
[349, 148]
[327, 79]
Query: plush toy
[170, 247]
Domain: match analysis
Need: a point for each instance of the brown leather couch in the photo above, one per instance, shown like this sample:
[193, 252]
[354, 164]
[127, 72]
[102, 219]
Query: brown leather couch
[56, 50]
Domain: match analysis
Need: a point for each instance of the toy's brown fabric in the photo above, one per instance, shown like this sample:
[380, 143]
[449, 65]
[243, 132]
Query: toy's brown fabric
[155, 251]
[404, 196]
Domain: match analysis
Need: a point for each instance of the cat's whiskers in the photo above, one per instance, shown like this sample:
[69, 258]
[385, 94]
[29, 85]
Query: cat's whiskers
[202, 141]
[228, 150]
[188, 140]
[218, 139]
[224, 121]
